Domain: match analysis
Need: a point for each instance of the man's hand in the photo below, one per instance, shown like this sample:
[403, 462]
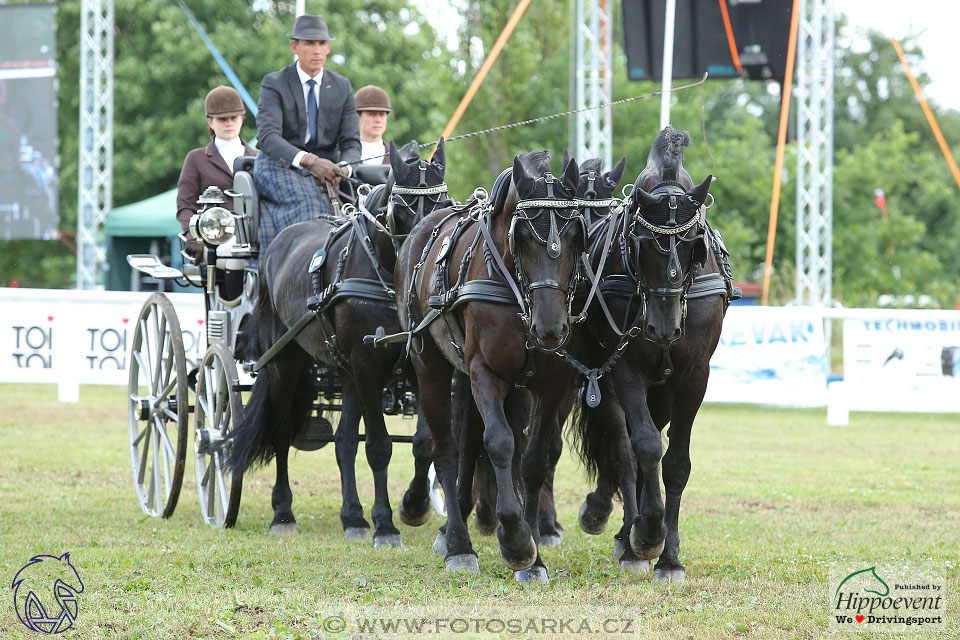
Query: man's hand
[322, 169]
[195, 249]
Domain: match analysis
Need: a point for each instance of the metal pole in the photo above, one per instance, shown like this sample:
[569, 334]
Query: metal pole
[668, 24]
[593, 80]
[300, 7]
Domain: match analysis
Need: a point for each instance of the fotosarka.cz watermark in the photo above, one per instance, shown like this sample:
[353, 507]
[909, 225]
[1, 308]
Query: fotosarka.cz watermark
[894, 596]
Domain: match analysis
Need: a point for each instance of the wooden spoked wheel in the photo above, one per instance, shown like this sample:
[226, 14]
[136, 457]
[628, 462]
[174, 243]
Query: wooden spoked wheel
[218, 410]
[158, 407]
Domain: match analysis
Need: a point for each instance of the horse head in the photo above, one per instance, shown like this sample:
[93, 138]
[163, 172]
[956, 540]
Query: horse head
[546, 237]
[595, 192]
[417, 188]
[668, 242]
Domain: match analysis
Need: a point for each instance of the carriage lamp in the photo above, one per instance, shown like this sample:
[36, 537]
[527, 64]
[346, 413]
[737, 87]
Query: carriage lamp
[215, 225]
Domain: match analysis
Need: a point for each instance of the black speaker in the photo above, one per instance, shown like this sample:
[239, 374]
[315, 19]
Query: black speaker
[761, 31]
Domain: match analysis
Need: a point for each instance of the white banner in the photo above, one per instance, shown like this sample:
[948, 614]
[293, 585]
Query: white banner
[901, 360]
[64, 335]
[770, 355]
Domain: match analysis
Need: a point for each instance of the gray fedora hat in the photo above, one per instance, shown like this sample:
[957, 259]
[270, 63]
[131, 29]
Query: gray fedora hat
[307, 27]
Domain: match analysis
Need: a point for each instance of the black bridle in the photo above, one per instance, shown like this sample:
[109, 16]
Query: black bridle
[548, 218]
[658, 225]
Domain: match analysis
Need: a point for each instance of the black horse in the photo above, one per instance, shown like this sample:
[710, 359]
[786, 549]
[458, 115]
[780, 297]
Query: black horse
[670, 280]
[350, 289]
[456, 290]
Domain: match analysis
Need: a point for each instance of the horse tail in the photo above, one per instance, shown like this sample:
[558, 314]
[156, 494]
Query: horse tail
[587, 432]
[669, 147]
[252, 444]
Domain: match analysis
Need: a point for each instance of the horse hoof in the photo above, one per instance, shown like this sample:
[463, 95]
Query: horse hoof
[591, 522]
[463, 562]
[357, 534]
[636, 567]
[388, 541]
[617, 550]
[533, 574]
[669, 574]
[283, 528]
[414, 519]
[440, 544]
[522, 559]
[644, 551]
[551, 540]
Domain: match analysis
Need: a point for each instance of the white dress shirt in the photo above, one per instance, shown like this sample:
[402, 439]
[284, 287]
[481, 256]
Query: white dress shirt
[229, 150]
[304, 79]
[372, 152]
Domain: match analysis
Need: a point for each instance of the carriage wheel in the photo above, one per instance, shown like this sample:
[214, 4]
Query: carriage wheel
[217, 412]
[158, 409]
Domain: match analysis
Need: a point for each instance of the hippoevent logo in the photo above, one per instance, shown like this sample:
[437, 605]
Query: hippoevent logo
[45, 594]
[887, 598]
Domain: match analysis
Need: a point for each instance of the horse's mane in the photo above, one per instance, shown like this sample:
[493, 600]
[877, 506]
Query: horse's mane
[536, 163]
[665, 161]
[410, 151]
[593, 164]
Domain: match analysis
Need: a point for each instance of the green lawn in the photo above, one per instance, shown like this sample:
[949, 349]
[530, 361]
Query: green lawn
[775, 499]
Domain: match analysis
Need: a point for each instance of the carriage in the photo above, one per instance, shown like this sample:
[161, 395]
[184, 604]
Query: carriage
[167, 394]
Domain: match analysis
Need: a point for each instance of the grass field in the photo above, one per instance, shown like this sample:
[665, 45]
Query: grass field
[776, 498]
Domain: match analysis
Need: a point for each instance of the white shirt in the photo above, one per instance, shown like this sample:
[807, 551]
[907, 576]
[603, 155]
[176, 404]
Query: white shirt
[229, 150]
[304, 79]
[372, 152]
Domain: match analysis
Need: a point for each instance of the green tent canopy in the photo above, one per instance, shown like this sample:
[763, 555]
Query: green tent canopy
[155, 217]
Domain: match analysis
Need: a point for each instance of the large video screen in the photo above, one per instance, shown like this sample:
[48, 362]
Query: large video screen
[28, 122]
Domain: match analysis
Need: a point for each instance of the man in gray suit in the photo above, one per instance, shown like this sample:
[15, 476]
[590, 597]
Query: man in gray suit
[308, 132]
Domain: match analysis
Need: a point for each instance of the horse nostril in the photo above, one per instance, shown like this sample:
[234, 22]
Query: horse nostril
[651, 330]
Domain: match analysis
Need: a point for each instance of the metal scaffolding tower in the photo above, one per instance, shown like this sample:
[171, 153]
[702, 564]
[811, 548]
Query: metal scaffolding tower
[815, 56]
[593, 80]
[94, 194]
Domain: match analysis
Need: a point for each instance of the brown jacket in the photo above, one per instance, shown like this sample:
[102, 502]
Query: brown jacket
[202, 168]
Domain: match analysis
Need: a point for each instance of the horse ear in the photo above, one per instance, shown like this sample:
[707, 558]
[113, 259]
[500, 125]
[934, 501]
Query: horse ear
[440, 155]
[400, 168]
[616, 173]
[642, 199]
[570, 174]
[566, 161]
[699, 192]
[521, 180]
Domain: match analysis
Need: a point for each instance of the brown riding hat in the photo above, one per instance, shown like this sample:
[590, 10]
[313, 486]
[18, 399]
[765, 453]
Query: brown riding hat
[307, 27]
[372, 98]
[223, 101]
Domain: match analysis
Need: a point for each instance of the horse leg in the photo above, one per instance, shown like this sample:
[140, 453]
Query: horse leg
[379, 447]
[518, 549]
[355, 527]
[414, 508]
[434, 375]
[534, 467]
[551, 533]
[289, 411]
[648, 532]
[676, 472]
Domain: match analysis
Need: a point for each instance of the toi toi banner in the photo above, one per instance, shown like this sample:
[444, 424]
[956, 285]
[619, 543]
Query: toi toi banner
[770, 355]
[61, 336]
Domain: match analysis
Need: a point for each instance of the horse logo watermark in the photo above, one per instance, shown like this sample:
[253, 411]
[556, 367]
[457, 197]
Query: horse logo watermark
[889, 597]
[45, 594]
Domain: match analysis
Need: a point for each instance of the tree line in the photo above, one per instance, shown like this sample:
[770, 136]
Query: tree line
[881, 139]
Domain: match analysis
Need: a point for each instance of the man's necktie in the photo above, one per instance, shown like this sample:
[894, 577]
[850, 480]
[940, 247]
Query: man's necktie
[311, 115]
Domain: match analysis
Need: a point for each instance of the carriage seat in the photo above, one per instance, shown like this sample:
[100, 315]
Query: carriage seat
[501, 187]
[249, 205]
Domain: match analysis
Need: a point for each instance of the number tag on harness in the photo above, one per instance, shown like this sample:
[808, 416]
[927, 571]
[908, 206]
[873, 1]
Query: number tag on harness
[444, 248]
[318, 259]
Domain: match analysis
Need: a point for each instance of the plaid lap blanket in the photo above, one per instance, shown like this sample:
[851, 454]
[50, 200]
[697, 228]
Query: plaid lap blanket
[287, 195]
